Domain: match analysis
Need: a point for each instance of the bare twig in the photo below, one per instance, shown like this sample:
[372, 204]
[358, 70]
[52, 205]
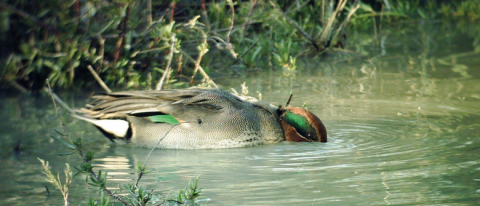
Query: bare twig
[327, 29]
[142, 171]
[57, 109]
[62, 103]
[230, 3]
[121, 38]
[114, 196]
[167, 70]
[50, 177]
[323, 13]
[203, 49]
[56, 181]
[149, 10]
[172, 12]
[341, 28]
[17, 86]
[230, 47]
[294, 24]
[99, 80]
[298, 7]
[150, 26]
[205, 75]
[254, 3]
[270, 50]
[179, 63]
[249, 48]
[65, 133]
[289, 100]
[244, 53]
[205, 16]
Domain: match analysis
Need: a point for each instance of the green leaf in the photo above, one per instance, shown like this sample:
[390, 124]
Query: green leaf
[163, 119]
[63, 142]
[66, 154]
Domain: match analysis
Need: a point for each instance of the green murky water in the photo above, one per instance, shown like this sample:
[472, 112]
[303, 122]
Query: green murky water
[404, 128]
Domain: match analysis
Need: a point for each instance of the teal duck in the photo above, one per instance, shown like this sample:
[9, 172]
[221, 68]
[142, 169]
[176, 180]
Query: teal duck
[199, 118]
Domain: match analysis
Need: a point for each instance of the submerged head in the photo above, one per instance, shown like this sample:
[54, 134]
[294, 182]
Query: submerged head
[301, 125]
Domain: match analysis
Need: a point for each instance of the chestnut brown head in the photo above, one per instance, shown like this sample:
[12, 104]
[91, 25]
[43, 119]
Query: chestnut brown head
[301, 125]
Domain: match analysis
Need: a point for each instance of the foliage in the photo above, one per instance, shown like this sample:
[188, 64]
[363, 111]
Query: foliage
[468, 10]
[187, 195]
[55, 180]
[128, 45]
[128, 42]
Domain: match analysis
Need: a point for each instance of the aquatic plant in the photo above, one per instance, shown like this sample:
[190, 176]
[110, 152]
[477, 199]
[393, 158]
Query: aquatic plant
[138, 195]
[56, 181]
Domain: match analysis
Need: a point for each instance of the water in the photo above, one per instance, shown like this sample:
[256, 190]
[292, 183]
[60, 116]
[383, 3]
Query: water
[403, 130]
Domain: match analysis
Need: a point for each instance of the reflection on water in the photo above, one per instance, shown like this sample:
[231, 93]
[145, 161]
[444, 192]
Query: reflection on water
[403, 127]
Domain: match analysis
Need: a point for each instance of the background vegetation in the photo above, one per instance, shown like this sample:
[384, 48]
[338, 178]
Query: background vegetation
[132, 44]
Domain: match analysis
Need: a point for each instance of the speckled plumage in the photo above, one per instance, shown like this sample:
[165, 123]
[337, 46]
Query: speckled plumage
[209, 118]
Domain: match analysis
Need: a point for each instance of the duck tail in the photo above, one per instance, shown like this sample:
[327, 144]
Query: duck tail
[111, 128]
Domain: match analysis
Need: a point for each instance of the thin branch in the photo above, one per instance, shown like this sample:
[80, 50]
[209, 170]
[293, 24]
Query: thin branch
[179, 63]
[57, 109]
[289, 100]
[270, 50]
[230, 47]
[294, 24]
[65, 133]
[203, 49]
[150, 26]
[327, 29]
[17, 86]
[116, 197]
[149, 10]
[249, 48]
[167, 70]
[289, 10]
[172, 12]
[205, 75]
[323, 13]
[204, 14]
[62, 103]
[140, 174]
[121, 38]
[254, 3]
[244, 53]
[197, 65]
[230, 3]
[99, 80]
[341, 29]
[94, 175]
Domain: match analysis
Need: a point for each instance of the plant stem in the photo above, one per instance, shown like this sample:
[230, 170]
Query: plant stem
[140, 174]
[294, 24]
[254, 3]
[80, 152]
[230, 47]
[121, 37]
[167, 70]
[99, 80]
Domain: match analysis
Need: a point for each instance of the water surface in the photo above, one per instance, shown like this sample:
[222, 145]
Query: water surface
[403, 128]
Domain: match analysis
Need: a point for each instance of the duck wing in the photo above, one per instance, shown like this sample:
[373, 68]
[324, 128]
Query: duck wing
[182, 104]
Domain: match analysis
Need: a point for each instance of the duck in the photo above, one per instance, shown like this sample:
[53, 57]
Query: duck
[198, 118]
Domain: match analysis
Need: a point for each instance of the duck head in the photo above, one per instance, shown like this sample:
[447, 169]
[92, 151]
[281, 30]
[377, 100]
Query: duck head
[301, 125]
